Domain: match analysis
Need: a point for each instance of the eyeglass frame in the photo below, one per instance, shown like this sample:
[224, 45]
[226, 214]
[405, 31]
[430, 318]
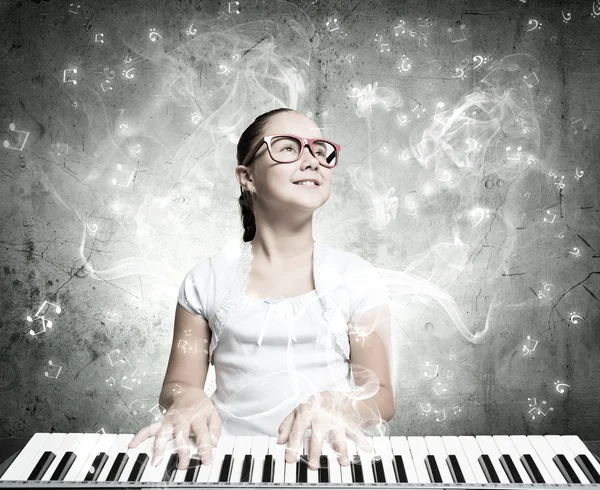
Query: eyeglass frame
[304, 141]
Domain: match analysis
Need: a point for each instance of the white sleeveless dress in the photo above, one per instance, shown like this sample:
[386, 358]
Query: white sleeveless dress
[272, 354]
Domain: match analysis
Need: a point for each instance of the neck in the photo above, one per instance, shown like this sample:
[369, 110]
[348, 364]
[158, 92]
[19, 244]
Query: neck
[283, 245]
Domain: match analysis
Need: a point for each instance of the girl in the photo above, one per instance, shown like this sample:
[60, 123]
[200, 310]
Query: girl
[282, 310]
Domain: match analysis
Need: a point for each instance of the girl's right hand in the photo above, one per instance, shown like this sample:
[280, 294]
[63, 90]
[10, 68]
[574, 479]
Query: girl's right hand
[192, 411]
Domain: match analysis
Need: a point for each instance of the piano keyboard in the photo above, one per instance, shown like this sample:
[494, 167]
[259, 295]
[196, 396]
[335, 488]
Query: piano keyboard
[79, 460]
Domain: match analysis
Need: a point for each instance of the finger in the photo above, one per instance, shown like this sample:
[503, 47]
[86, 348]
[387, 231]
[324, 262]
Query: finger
[292, 452]
[144, 433]
[203, 445]
[285, 428]
[316, 445]
[359, 438]
[340, 445]
[215, 426]
[160, 442]
[182, 446]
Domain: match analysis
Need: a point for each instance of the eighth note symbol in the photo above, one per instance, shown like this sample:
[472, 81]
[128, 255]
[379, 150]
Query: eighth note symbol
[18, 136]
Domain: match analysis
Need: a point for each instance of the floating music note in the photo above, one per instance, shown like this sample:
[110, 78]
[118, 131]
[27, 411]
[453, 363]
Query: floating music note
[19, 139]
[535, 24]
[125, 182]
[177, 389]
[531, 85]
[455, 411]
[553, 216]
[428, 371]
[104, 89]
[133, 379]
[511, 155]
[74, 11]
[573, 318]
[99, 38]
[558, 385]
[426, 409]
[139, 404]
[57, 147]
[111, 381]
[192, 31]
[47, 373]
[385, 47]
[236, 11]
[399, 26]
[458, 38]
[538, 409]
[333, 22]
[438, 389]
[42, 317]
[158, 411]
[582, 125]
[528, 349]
[443, 412]
[417, 107]
[120, 361]
[349, 60]
[154, 35]
[68, 79]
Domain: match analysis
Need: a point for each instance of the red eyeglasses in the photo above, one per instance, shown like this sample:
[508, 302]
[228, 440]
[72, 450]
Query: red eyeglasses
[287, 148]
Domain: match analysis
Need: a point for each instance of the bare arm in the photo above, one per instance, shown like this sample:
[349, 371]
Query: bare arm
[188, 362]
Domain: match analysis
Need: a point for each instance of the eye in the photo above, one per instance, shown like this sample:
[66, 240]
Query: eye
[289, 147]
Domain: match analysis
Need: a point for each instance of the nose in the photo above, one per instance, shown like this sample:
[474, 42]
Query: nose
[307, 156]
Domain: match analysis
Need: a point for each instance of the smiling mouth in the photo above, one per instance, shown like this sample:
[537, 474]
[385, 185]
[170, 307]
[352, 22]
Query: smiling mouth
[306, 185]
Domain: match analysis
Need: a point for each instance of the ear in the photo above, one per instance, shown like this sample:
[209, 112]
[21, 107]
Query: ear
[243, 175]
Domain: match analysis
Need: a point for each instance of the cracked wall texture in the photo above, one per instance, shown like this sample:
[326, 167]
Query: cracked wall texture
[469, 158]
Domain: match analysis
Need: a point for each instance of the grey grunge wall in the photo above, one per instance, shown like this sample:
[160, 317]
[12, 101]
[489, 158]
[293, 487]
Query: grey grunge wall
[469, 158]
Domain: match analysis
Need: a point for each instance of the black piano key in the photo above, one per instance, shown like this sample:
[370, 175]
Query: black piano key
[399, 469]
[357, 471]
[171, 468]
[97, 466]
[323, 469]
[191, 475]
[302, 469]
[247, 467]
[488, 469]
[510, 469]
[42, 466]
[455, 471]
[565, 468]
[432, 469]
[64, 466]
[138, 467]
[378, 473]
[118, 466]
[588, 469]
[268, 469]
[532, 469]
[225, 474]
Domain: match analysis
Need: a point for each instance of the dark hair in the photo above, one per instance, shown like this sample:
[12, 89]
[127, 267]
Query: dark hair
[252, 135]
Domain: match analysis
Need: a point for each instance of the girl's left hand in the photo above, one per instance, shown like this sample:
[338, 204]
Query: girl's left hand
[329, 415]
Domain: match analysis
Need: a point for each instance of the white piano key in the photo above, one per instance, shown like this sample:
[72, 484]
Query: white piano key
[550, 473]
[435, 446]
[155, 473]
[418, 449]
[69, 443]
[225, 446]
[505, 446]
[312, 476]
[83, 449]
[193, 448]
[278, 452]
[557, 445]
[488, 446]
[578, 447]
[133, 454]
[347, 470]
[52, 443]
[27, 454]
[119, 446]
[453, 446]
[290, 468]
[259, 449]
[103, 445]
[335, 470]
[383, 449]
[366, 458]
[242, 447]
[400, 447]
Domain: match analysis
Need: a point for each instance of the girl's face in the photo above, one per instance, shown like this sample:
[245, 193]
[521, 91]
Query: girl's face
[273, 182]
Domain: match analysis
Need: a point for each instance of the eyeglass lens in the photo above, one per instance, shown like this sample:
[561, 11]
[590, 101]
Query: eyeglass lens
[286, 149]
